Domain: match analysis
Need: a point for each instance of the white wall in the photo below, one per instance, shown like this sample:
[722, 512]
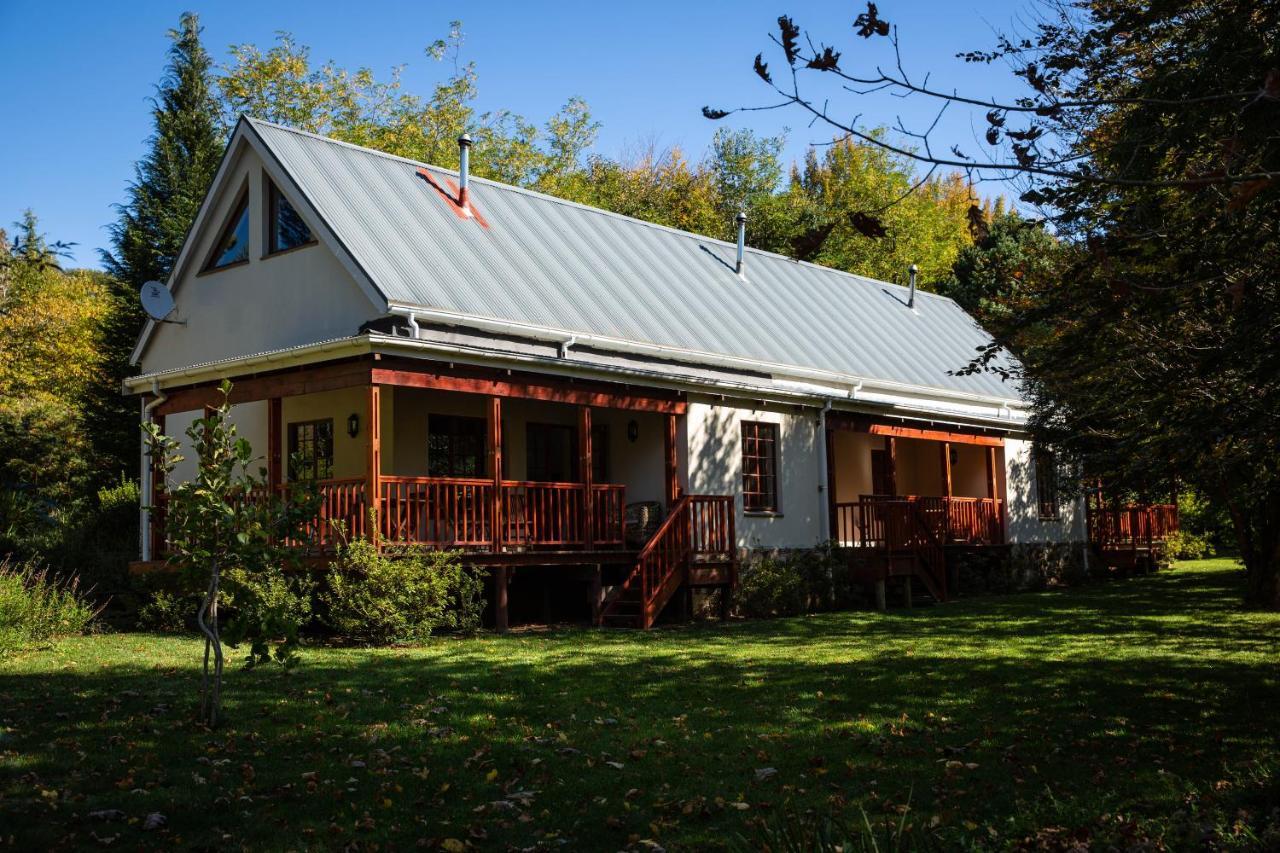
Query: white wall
[1024, 523]
[283, 300]
[250, 420]
[715, 467]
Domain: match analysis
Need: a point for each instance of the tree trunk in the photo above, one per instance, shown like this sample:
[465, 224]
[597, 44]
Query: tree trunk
[207, 619]
[1263, 589]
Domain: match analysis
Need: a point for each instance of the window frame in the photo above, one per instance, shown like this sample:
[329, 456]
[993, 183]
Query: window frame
[1045, 468]
[477, 429]
[274, 195]
[763, 467]
[238, 210]
[292, 430]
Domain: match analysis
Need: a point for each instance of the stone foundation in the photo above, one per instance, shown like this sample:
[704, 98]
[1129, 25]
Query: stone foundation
[1019, 567]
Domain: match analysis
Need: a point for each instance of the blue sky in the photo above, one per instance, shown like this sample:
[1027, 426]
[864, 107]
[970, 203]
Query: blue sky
[77, 76]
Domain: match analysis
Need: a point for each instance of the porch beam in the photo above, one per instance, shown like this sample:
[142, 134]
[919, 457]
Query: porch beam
[833, 523]
[869, 424]
[992, 481]
[373, 483]
[248, 389]
[584, 442]
[530, 387]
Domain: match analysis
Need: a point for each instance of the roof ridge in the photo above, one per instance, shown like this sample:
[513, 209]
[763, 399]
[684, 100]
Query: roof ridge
[861, 279]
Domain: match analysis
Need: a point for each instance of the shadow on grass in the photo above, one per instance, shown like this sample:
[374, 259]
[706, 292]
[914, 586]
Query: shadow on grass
[1016, 712]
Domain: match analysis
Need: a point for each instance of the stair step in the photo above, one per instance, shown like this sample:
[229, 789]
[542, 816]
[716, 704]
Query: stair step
[620, 620]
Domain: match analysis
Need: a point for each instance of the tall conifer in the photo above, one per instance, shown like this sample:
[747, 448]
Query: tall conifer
[169, 183]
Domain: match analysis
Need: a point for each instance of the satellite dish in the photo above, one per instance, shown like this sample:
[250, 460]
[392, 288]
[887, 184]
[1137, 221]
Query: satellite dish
[157, 301]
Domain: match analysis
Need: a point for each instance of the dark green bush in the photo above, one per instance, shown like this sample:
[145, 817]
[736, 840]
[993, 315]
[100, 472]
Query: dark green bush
[168, 614]
[400, 594]
[786, 583]
[1188, 545]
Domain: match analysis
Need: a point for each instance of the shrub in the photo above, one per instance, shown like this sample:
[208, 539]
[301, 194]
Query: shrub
[36, 607]
[1187, 545]
[167, 614]
[770, 584]
[400, 594]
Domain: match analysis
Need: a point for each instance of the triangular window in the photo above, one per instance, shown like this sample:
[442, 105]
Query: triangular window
[287, 228]
[233, 246]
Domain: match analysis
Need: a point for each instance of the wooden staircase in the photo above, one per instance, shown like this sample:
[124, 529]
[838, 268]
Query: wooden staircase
[694, 547]
[905, 540]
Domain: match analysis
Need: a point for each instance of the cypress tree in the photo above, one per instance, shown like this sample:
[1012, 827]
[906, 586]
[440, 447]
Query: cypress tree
[169, 183]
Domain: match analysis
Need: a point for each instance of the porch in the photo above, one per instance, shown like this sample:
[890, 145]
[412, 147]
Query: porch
[901, 498]
[513, 470]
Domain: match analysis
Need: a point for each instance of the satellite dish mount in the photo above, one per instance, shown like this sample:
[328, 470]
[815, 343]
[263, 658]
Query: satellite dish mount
[157, 301]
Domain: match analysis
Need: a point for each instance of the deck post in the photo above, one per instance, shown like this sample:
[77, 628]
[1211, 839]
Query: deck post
[588, 496]
[500, 599]
[494, 416]
[595, 593]
[881, 604]
[907, 591]
[946, 491]
[373, 483]
[274, 454]
[672, 463]
[891, 454]
[833, 523]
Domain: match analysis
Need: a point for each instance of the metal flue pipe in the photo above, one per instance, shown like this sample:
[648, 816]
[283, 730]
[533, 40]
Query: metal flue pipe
[464, 167]
[742, 240]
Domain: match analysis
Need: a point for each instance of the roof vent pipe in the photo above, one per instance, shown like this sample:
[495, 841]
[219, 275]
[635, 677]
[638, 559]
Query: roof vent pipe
[912, 272]
[464, 166]
[742, 239]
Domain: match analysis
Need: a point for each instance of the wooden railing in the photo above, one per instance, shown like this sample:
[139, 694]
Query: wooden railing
[1132, 525]
[457, 512]
[711, 520]
[698, 528]
[956, 520]
[902, 527]
[447, 512]
[608, 515]
[543, 513]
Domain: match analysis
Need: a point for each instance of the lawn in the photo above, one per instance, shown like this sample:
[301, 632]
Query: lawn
[1143, 708]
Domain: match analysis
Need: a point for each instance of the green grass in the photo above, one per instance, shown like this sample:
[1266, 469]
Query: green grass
[1136, 709]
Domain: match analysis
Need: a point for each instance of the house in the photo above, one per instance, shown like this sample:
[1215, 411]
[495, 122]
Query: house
[504, 372]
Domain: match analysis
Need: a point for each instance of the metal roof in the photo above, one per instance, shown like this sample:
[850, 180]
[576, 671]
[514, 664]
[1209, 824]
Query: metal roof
[548, 262]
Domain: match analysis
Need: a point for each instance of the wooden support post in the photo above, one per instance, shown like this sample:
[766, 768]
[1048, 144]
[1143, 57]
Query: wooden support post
[672, 462]
[274, 451]
[907, 591]
[946, 468]
[588, 495]
[993, 488]
[156, 516]
[595, 594]
[833, 524]
[881, 604]
[494, 415]
[891, 455]
[373, 482]
[500, 622]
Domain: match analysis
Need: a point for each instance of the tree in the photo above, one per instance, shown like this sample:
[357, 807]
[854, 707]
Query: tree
[169, 185]
[1012, 256]
[281, 84]
[51, 326]
[1149, 135]
[226, 525]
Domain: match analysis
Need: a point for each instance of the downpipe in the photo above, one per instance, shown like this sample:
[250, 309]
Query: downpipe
[146, 475]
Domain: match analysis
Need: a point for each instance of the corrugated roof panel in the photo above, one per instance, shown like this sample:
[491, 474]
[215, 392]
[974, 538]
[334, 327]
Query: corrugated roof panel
[549, 262]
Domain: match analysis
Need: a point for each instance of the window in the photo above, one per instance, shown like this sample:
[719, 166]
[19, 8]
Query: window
[233, 246]
[551, 453]
[1046, 483]
[455, 446]
[759, 467]
[311, 450]
[287, 230]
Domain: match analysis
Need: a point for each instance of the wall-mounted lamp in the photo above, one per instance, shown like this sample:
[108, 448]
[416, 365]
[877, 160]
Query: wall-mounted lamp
[353, 425]
[633, 431]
